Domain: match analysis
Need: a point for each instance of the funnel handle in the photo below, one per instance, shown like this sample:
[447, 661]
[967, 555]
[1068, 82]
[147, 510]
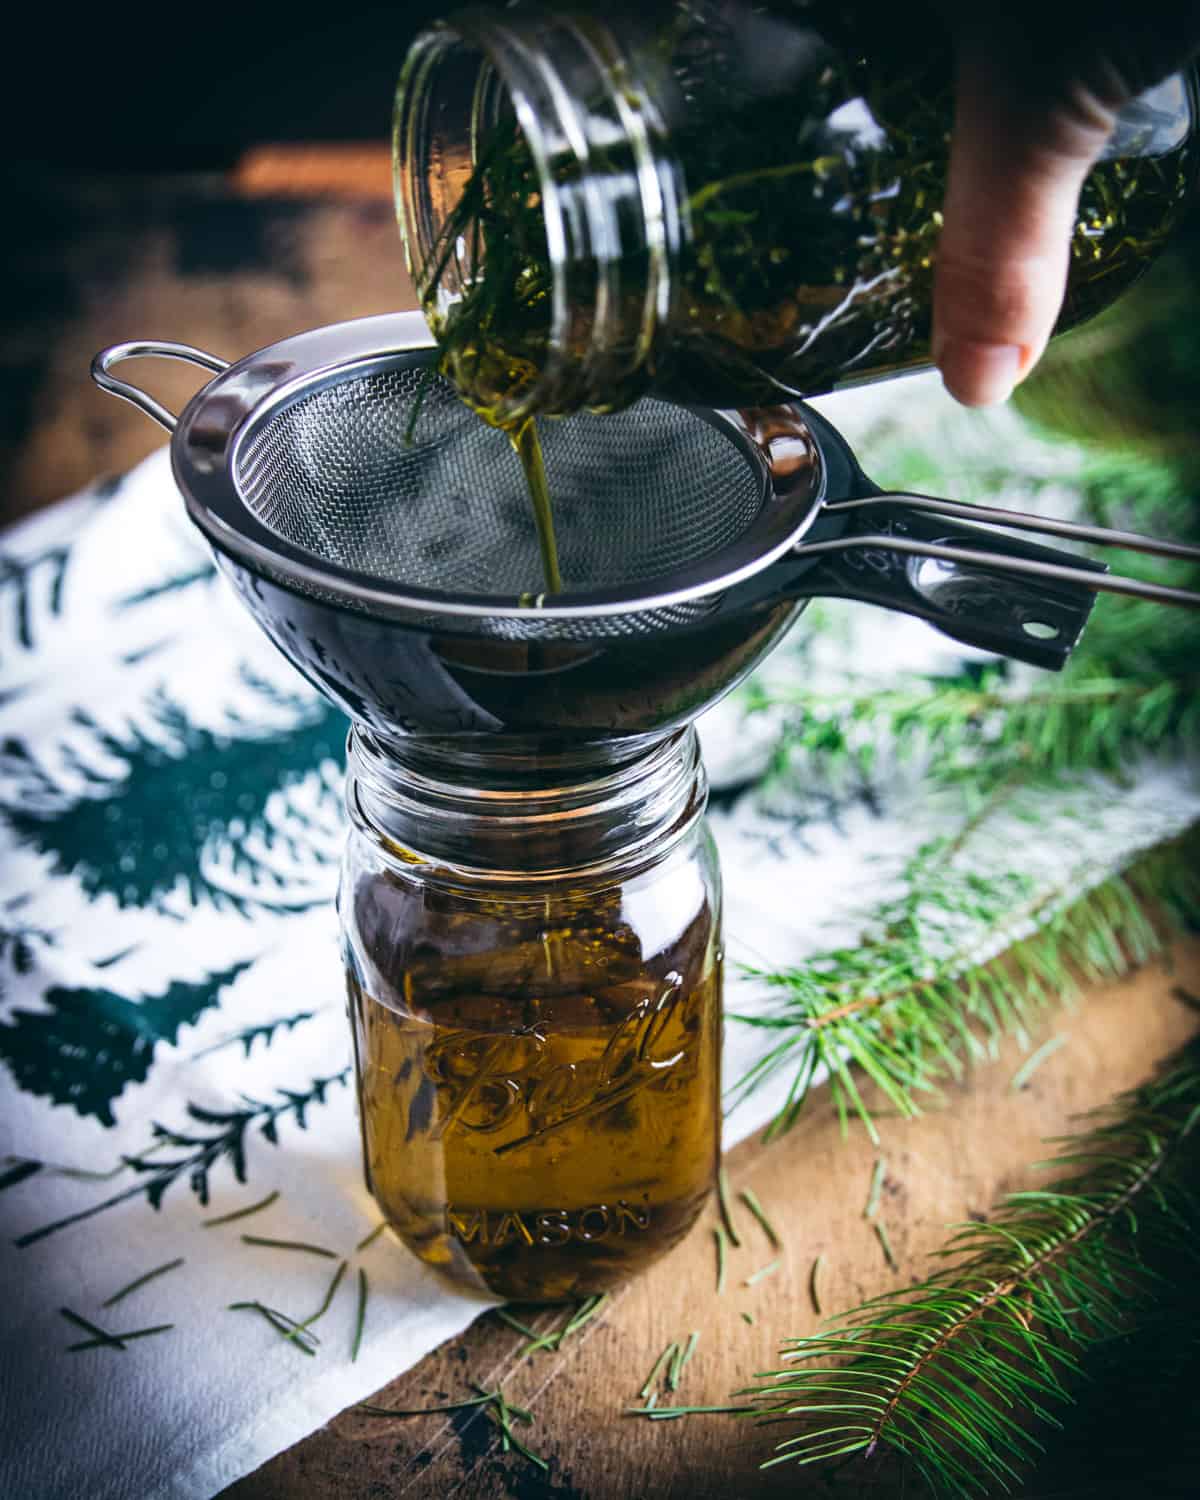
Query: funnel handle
[906, 560]
[137, 349]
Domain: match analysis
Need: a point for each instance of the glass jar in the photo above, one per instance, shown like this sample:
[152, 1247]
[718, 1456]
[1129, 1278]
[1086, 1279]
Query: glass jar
[725, 203]
[533, 958]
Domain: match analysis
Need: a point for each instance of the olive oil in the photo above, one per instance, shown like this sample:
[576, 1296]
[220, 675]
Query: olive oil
[484, 376]
[529, 450]
[542, 1118]
[549, 1159]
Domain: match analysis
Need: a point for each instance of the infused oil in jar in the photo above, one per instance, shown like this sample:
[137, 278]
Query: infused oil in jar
[537, 1039]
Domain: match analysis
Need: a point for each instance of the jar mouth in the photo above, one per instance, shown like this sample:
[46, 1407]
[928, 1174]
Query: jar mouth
[551, 98]
[525, 819]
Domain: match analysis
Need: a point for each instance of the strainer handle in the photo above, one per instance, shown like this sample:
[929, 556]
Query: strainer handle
[141, 348]
[1016, 598]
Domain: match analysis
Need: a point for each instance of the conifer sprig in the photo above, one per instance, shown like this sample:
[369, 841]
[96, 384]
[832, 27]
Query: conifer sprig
[911, 1006]
[947, 1373]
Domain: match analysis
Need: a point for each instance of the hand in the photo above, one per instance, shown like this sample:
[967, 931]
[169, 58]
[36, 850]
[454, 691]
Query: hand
[1037, 92]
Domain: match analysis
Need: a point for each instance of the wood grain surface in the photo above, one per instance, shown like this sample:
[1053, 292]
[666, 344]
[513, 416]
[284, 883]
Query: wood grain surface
[953, 1162]
[231, 267]
[225, 264]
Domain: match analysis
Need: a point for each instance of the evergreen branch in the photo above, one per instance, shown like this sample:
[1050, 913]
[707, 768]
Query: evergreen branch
[202, 1151]
[907, 1008]
[944, 1372]
[982, 731]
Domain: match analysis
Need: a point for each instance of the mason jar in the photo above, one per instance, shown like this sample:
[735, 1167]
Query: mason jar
[723, 202]
[533, 960]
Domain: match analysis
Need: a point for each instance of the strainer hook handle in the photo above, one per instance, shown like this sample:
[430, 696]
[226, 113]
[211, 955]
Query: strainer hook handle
[138, 349]
[1000, 594]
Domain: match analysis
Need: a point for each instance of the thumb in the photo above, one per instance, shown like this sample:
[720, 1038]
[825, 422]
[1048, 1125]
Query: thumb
[1023, 143]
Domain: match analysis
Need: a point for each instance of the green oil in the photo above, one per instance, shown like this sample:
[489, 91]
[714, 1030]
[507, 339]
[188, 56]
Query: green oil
[527, 444]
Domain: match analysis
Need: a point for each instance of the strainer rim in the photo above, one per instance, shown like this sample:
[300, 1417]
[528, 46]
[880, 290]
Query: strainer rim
[224, 415]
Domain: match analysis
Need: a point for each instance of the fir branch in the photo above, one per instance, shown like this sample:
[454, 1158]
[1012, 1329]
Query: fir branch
[981, 730]
[944, 1372]
[891, 1011]
[224, 1143]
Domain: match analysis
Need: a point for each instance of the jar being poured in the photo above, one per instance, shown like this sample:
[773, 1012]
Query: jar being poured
[719, 203]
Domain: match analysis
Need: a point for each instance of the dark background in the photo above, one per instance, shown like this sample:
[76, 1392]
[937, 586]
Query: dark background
[145, 88]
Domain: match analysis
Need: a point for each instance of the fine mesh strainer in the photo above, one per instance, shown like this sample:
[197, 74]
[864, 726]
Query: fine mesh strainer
[393, 556]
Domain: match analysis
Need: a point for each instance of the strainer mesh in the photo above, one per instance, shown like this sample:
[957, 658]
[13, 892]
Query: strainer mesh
[637, 494]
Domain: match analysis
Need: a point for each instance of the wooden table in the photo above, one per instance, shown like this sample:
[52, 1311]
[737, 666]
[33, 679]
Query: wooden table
[952, 1162]
[230, 268]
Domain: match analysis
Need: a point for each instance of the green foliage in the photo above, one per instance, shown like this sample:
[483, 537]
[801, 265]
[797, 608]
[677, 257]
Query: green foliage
[184, 793]
[907, 1007]
[911, 1005]
[978, 730]
[82, 1047]
[951, 1372]
[215, 1137]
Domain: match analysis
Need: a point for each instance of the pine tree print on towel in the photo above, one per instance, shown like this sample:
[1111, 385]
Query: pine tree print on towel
[247, 817]
[86, 1045]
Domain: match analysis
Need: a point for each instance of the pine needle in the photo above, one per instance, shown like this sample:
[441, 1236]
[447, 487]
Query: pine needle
[360, 1316]
[722, 1252]
[814, 1277]
[680, 1358]
[748, 1318]
[665, 1413]
[876, 1188]
[881, 1235]
[171, 1265]
[506, 1317]
[241, 1213]
[300, 1245]
[370, 1239]
[726, 1212]
[419, 1411]
[327, 1300]
[1034, 1061]
[667, 1354]
[553, 1339]
[98, 1334]
[764, 1271]
[751, 1201]
[497, 1407]
[121, 1339]
[302, 1338]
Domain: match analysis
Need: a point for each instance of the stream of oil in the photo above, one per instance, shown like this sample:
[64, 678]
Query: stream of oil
[525, 441]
